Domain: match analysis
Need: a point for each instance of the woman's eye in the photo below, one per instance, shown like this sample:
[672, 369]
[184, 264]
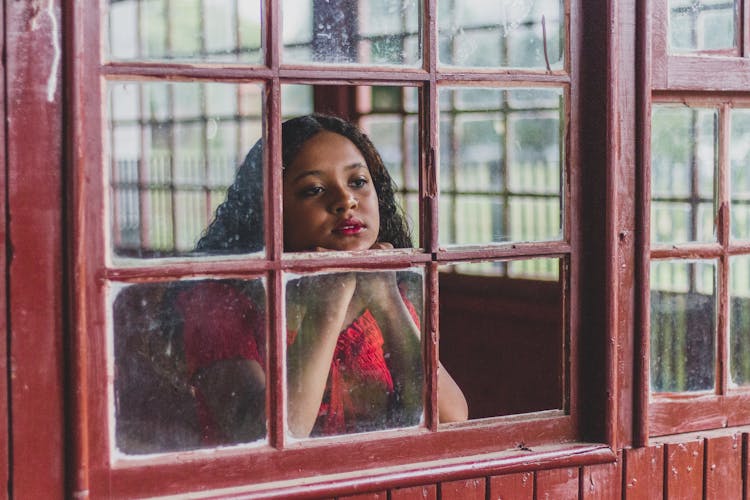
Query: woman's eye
[360, 182]
[312, 191]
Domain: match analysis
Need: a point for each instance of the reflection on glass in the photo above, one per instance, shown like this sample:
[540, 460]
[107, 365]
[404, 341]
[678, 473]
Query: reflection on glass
[352, 31]
[189, 364]
[696, 25]
[683, 166]
[501, 168]
[511, 33]
[502, 336]
[354, 356]
[739, 320]
[205, 30]
[739, 157]
[174, 150]
[683, 325]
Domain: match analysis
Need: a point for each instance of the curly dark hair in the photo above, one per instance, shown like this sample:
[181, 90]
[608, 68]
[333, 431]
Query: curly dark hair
[238, 222]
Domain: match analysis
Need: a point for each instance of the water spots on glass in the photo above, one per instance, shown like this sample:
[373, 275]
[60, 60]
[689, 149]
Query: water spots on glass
[699, 25]
[515, 33]
[352, 32]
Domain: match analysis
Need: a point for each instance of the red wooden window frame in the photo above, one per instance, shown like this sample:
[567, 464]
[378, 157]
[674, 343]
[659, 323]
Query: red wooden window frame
[391, 451]
[699, 79]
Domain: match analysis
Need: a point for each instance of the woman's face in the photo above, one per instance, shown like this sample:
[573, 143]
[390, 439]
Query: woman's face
[330, 202]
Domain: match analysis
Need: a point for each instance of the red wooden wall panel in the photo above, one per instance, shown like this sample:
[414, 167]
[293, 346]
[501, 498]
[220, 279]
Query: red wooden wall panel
[4, 429]
[723, 467]
[427, 492]
[35, 227]
[602, 481]
[469, 489]
[379, 495]
[512, 486]
[557, 484]
[683, 464]
[643, 470]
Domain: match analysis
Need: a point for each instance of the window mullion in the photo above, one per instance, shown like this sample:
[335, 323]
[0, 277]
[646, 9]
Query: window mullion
[276, 415]
[274, 239]
[723, 234]
[744, 19]
[431, 345]
[429, 146]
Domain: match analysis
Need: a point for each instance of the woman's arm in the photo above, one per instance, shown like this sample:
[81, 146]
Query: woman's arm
[381, 294]
[317, 308]
[452, 405]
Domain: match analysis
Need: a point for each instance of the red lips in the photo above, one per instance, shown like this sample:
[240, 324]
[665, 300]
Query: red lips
[349, 226]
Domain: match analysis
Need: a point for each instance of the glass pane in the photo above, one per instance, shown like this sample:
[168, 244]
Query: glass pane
[696, 25]
[684, 159]
[175, 148]
[501, 168]
[512, 33]
[683, 325]
[351, 31]
[389, 148]
[739, 320]
[296, 100]
[188, 30]
[739, 157]
[189, 364]
[354, 355]
[502, 322]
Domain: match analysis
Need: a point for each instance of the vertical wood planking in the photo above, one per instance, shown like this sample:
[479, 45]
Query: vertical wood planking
[4, 427]
[602, 481]
[745, 467]
[469, 489]
[512, 487]
[683, 468]
[427, 492]
[35, 232]
[643, 470]
[723, 467]
[557, 484]
[378, 495]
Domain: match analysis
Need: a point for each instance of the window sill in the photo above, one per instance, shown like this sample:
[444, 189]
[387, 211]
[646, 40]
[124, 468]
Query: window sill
[420, 473]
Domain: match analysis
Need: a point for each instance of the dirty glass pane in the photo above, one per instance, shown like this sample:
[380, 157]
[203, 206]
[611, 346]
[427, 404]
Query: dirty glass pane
[739, 157]
[696, 25]
[684, 160]
[189, 364]
[354, 355]
[174, 150]
[501, 167]
[739, 320]
[184, 30]
[683, 325]
[500, 322]
[352, 31]
[511, 33]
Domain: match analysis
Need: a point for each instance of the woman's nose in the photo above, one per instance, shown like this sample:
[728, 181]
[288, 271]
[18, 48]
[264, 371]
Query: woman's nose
[344, 201]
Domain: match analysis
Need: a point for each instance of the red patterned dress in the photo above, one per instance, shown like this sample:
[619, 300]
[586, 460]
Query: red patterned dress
[222, 323]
